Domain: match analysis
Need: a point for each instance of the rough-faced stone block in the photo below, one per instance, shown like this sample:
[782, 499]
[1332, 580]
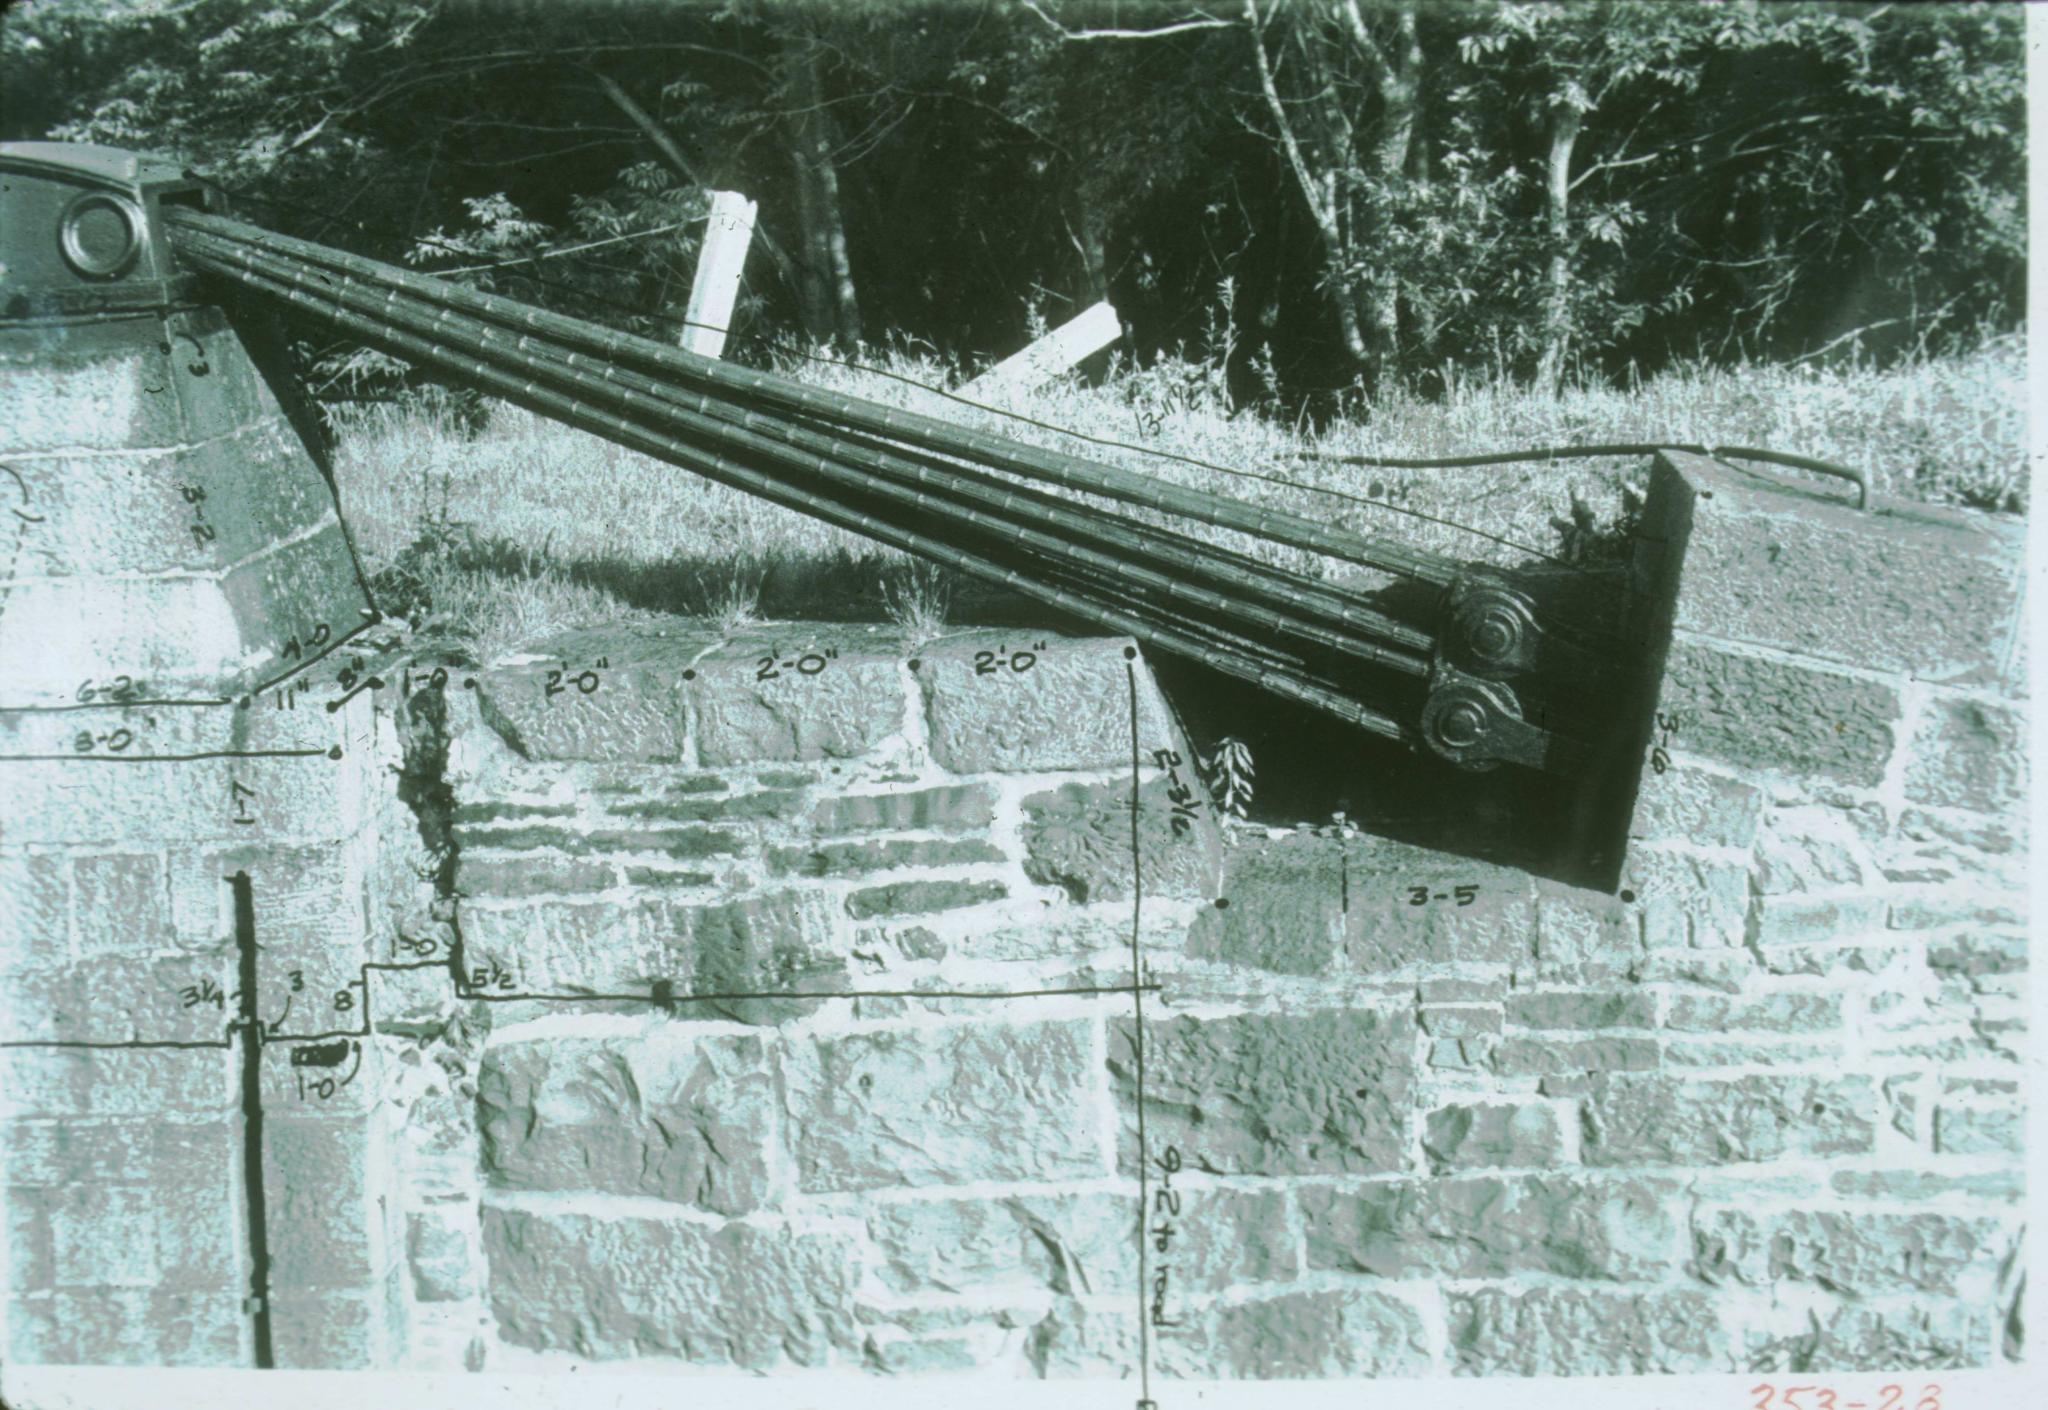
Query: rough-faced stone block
[1785, 1013]
[1082, 1339]
[35, 911]
[857, 858]
[950, 808]
[1577, 1009]
[1858, 1253]
[1647, 1119]
[2006, 1186]
[1917, 588]
[1494, 1228]
[1968, 754]
[114, 1082]
[1476, 1135]
[745, 1295]
[481, 874]
[126, 1327]
[1580, 927]
[338, 1328]
[1531, 1057]
[610, 694]
[118, 400]
[1806, 920]
[440, 1249]
[149, 800]
[322, 1178]
[669, 1114]
[156, 1000]
[1926, 1336]
[1078, 837]
[253, 489]
[1284, 907]
[1299, 1335]
[1408, 906]
[1964, 1129]
[1972, 956]
[909, 898]
[725, 954]
[1763, 712]
[665, 842]
[1324, 1092]
[1683, 898]
[1685, 804]
[123, 904]
[1079, 1244]
[1070, 709]
[945, 1105]
[758, 699]
[1581, 1332]
[1810, 848]
[217, 384]
[304, 590]
[1071, 1244]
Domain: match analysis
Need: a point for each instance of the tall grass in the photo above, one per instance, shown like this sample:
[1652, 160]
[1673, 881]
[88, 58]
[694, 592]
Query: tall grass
[527, 526]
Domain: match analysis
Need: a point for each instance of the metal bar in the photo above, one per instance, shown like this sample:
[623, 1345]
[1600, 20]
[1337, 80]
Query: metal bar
[782, 393]
[722, 468]
[513, 351]
[1181, 551]
[249, 1026]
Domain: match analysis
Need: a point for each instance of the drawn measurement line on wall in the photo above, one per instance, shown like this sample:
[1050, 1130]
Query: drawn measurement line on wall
[665, 999]
[128, 1043]
[74, 758]
[213, 702]
[1137, 987]
[364, 1029]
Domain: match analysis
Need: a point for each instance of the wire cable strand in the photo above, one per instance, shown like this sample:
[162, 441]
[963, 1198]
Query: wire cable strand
[1511, 457]
[522, 266]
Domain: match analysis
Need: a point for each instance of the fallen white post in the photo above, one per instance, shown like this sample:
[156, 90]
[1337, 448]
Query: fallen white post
[727, 233]
[1086, 332]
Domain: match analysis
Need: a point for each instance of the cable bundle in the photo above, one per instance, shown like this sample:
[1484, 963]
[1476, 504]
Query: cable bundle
[979, 504]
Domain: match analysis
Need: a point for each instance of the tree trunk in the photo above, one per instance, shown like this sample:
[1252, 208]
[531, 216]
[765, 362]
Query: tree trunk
[1399, 74]
[1318, 189]
[831, 309]
[1557, 317]
[1089, 241]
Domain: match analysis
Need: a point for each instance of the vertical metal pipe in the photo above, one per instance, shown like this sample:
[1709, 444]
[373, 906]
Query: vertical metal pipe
[250, 1028]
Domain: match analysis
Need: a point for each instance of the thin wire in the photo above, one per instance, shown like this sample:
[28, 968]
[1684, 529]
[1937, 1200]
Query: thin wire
[1597, 452]
[1030, 460]
[518, 266]
[570, 249]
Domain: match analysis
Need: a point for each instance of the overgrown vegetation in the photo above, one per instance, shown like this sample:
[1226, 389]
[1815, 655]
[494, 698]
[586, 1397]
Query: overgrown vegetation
[523, 526]
[1367, 226]
[1391, 190]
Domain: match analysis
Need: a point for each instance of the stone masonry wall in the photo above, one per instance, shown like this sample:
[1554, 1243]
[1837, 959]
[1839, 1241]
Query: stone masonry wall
[1758, 1111]
[766, 1002]
[710, 1170]
[127, 1229]
[1762, 1109]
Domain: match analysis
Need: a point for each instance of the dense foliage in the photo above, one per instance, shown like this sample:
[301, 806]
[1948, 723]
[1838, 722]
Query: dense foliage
[1324, 194]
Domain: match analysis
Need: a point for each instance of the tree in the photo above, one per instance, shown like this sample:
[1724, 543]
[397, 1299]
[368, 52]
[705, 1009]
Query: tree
[1349, 158]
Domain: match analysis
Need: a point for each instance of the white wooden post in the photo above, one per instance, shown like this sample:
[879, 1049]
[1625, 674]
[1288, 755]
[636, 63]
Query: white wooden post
[727, 233]
[1089, 331]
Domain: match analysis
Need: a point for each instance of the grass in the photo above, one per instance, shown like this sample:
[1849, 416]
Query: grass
[527, 527]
